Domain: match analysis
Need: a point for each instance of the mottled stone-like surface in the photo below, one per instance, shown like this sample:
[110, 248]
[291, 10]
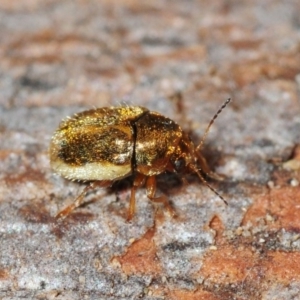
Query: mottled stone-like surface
[61, 57]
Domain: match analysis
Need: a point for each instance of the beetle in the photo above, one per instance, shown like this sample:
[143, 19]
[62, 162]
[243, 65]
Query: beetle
[107, 144]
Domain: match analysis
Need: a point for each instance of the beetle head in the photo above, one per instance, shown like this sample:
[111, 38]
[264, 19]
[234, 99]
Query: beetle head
[184, 156]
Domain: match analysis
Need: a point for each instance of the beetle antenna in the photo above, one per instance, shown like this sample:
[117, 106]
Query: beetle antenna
[210, 123]
[194, 168]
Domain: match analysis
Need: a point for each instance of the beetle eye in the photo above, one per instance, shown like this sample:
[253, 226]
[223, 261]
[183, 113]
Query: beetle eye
[179, 165]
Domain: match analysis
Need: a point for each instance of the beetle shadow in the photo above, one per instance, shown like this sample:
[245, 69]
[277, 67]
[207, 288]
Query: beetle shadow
[117, 188]
[168, 183]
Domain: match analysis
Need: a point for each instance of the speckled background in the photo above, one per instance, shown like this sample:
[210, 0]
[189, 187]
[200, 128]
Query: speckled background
[61, 57]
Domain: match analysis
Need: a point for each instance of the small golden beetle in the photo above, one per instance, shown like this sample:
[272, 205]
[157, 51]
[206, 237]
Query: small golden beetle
[107, 144]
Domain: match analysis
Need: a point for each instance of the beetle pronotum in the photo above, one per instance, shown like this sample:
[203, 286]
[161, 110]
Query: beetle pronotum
[107, 144]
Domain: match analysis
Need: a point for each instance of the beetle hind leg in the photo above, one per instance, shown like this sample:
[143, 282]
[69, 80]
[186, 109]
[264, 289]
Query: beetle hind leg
[151, 189]
[78, 201]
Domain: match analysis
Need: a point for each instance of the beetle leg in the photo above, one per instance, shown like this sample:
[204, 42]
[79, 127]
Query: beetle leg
[139, 180]
[78, 201]
[151, 189]
[206, 169]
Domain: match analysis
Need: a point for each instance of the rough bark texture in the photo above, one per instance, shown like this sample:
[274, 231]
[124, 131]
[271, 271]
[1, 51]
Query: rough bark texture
[61, 57]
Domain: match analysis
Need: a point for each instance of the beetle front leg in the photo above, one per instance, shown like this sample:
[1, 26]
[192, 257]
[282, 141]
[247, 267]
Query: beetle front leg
[78, 201]
[139, 180]
[206, 169]
[151, 189]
